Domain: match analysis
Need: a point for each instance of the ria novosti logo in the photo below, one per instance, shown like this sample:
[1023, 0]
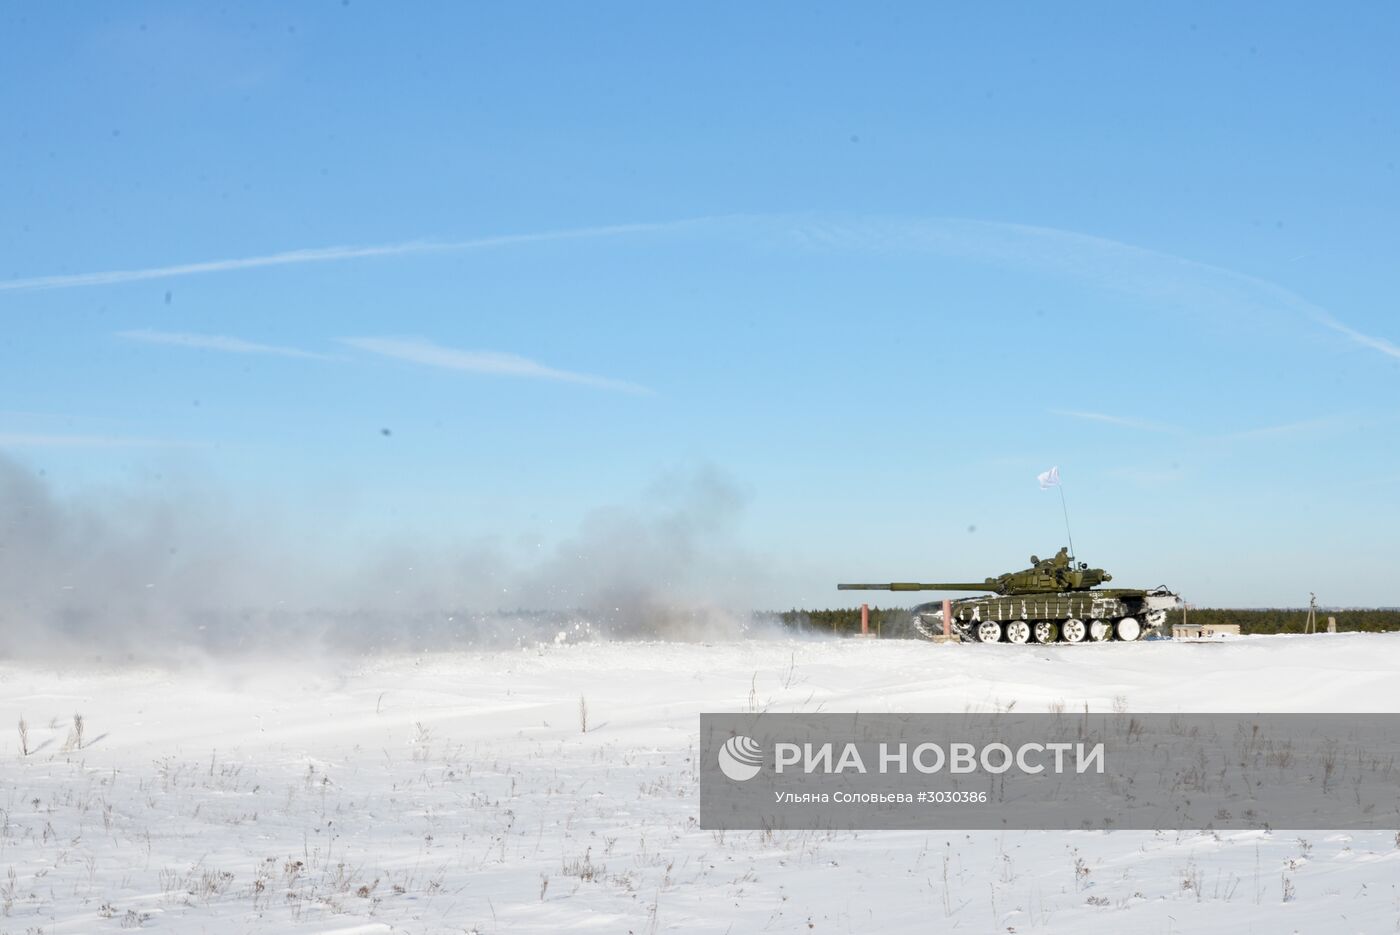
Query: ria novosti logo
[740, 758]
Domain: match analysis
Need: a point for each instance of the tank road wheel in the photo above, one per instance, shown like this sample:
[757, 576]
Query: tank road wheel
[1074, 631]
[1100, 630]
[1018, 631]
[1046, 631]
[1129, 629]
[989, 631]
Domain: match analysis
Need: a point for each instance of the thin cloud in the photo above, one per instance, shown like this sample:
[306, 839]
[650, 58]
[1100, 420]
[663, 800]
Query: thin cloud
[1301, 428]
[321, 255]
[1113, 420]
[1304, 427]
[218, 342]
[492, 363]
[1148, 477]
[22, 440]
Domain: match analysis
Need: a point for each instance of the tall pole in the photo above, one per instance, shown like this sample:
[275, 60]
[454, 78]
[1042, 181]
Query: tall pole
[1064, 509]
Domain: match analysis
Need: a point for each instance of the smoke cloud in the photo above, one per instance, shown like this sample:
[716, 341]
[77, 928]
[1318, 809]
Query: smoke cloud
[116, 575]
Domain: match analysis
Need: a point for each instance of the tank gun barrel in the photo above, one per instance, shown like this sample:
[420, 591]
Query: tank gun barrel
[916, 586]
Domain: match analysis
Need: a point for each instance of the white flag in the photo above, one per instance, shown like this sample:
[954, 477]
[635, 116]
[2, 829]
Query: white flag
[1050, 478]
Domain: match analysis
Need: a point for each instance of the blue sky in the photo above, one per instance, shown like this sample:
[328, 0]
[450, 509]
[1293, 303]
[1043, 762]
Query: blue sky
[873, 268]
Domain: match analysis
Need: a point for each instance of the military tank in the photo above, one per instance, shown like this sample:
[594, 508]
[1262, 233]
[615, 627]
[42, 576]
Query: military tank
[1056, 600]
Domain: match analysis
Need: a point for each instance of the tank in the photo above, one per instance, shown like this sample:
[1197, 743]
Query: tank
[1056, 600]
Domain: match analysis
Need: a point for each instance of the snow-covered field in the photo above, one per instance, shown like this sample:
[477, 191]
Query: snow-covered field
[457, 792]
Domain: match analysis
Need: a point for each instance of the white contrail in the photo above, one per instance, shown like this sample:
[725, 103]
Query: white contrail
[1365, 340]
[321, 255]
[218, 342]
[1143, 272]
[1126, 267]
[419, 351]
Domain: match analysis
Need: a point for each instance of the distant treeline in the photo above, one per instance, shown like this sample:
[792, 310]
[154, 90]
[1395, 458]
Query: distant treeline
[1290, 619]
[895, 621]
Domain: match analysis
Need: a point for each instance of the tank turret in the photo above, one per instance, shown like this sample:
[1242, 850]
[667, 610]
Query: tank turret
[1045, 576]
[1057, 599]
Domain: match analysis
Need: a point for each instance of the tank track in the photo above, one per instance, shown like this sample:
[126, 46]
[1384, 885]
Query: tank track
[1122, 617]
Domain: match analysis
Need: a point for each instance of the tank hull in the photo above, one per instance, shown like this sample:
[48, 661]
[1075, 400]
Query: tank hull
[1055, 617]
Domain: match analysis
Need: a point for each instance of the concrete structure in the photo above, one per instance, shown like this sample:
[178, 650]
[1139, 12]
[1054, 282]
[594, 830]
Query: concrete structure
[1195, 631]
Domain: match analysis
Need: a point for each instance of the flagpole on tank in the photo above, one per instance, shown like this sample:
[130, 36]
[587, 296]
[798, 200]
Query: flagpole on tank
[1064, 509]
[1051, 478]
